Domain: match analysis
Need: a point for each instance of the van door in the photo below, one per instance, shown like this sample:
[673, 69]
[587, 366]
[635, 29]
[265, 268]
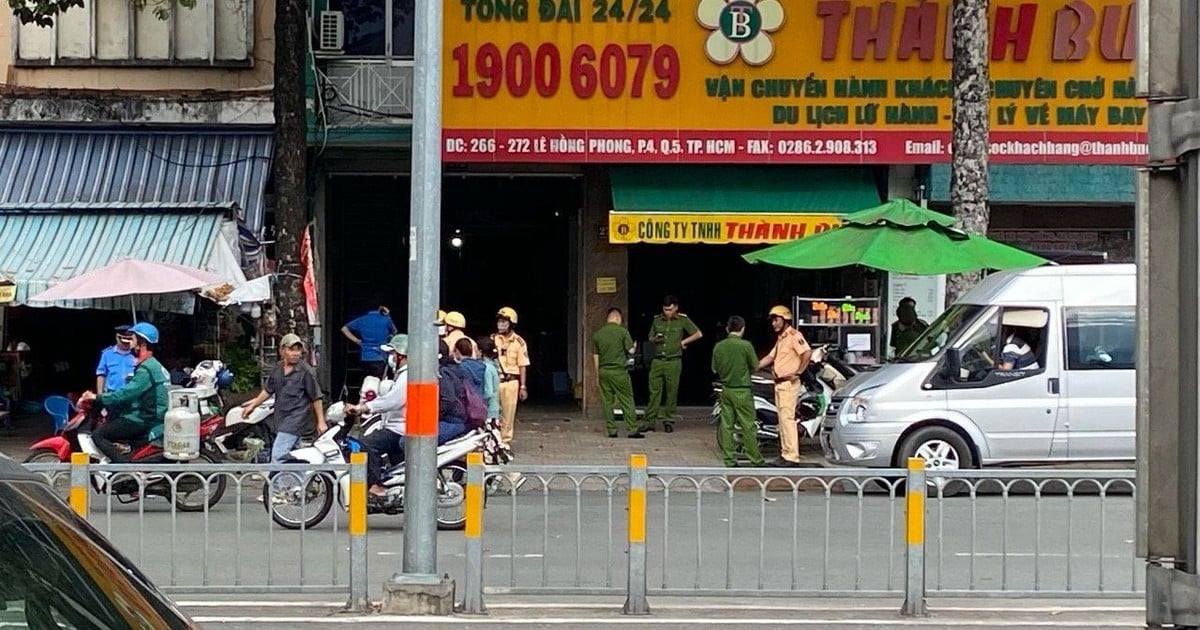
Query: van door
[1008, 381]
[1100, 400]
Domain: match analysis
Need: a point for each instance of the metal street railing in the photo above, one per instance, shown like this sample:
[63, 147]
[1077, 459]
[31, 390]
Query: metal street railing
[643, 531]
[804, 532]
[195, 537]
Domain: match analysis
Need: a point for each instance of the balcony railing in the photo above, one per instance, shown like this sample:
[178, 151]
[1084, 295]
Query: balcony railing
[359, 92]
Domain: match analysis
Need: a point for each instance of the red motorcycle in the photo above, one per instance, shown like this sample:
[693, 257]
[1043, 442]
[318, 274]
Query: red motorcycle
[75, 437]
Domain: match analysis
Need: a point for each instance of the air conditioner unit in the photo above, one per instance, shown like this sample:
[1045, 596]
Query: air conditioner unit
[333, 31]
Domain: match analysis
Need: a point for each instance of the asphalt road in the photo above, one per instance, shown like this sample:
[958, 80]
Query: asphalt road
[709, 541]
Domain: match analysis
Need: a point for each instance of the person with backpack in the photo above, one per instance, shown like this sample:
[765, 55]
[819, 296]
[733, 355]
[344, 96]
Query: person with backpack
[476, 371]
[452, 403]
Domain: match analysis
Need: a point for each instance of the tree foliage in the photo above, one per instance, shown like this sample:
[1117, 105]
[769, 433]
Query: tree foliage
[43, 12]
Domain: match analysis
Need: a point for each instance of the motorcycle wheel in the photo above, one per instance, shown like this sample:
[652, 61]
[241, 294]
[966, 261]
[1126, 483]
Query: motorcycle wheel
[317, 483]
[452, 498]
[59, 481]
[216, 487]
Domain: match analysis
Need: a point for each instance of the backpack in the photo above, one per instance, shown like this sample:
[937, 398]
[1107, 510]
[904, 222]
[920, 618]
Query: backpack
[474, 408]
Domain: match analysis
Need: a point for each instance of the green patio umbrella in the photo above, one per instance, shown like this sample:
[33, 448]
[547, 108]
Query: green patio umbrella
[898, 236]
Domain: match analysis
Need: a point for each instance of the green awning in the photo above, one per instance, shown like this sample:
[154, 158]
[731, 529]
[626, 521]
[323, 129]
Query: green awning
[1046, 183]
[733, 204]
[774, 189]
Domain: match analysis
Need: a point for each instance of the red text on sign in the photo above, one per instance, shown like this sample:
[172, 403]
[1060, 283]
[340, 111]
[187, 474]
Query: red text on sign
[613, 71]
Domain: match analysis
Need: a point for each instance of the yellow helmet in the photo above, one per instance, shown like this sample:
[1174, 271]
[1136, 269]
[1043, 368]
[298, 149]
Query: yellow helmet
[781, 311]
[441, 317]
[507, 313]
[455, 319]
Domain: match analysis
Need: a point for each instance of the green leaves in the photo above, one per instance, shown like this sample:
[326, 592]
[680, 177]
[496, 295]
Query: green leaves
[43, 12]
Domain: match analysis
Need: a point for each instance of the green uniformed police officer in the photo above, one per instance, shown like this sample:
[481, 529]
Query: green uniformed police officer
[671, 333]
[733, 361]
[612, 352]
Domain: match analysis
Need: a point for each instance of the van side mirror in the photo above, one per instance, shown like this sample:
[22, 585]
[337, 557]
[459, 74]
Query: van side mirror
[952, 364]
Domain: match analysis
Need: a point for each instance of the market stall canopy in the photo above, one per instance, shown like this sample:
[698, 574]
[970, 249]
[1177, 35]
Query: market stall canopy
[43, 246]
[901, 237]
[732, 203]
[130, 277]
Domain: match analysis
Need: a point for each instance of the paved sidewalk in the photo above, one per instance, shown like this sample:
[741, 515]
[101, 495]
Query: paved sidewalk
[566, 436]
[546, 436]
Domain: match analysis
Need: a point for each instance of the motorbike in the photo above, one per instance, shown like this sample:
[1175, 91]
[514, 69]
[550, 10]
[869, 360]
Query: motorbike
[303, 500]
[248, 439]
[189, 493]
[825, 373]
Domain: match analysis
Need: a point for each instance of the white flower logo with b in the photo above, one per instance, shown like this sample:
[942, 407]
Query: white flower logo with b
[740, 26]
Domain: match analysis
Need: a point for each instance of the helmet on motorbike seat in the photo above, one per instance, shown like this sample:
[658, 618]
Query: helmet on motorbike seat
[808, 409]
[507, 313]
[146, 331]
[781, 311]
[224, 378]
[455, 319]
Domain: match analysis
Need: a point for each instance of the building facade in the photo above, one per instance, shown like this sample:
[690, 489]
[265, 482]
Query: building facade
[609, 154]
[129, 132]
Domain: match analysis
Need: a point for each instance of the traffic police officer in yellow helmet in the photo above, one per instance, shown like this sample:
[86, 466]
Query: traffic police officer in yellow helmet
[514, 364]
[789, 359]
[456, 328]
[440, 322]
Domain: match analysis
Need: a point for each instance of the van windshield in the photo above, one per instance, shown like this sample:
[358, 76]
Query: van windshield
[943, 330]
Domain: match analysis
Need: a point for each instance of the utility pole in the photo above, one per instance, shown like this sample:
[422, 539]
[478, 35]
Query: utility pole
[1168, 398]
[418, 589]
[969, 139]
[290, 166]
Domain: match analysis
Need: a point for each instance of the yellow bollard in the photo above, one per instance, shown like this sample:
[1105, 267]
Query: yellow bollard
[358, 534]
[635, 588]
[473, 600]
[79, 483]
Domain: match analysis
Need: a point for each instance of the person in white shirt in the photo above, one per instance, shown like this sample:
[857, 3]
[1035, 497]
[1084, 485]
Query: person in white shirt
[393, 405]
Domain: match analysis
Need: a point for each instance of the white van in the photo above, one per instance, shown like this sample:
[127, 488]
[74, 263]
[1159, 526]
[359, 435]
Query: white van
[1033, 366]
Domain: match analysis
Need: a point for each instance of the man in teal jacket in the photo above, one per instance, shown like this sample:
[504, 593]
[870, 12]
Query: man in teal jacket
[143, 400]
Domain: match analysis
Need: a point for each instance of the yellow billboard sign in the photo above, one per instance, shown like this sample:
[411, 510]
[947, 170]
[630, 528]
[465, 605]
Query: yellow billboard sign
[745, 228]
[761, 81]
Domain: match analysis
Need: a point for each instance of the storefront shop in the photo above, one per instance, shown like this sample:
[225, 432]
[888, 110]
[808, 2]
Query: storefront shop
[72, 201]
[1069, 213]
[705, 128]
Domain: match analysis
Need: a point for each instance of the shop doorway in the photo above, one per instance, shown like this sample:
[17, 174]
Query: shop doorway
[507, 241]
[712, 283]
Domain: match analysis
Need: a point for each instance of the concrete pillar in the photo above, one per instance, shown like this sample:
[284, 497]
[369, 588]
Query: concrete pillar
[600, 259]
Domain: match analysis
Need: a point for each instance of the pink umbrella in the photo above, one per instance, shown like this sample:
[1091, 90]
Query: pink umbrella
[129, 277]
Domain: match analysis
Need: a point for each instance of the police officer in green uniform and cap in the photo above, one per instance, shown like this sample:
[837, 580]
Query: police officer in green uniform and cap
[612, 352]
[734, 360]
[671, 333]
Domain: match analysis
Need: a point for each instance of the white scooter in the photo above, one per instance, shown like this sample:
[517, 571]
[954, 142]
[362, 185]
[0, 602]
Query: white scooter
[304, 499]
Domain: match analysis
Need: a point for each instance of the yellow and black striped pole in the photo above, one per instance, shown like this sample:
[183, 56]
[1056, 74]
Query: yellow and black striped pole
[914, 527]
[635, 600]
[79, 483]
[473, 597]
[358, 533]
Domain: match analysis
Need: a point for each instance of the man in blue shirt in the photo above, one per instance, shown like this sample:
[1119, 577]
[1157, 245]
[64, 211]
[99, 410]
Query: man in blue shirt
[370, 331]
[116, 363]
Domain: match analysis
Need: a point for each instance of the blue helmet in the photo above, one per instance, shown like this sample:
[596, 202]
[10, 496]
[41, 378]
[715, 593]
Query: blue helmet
[146, 331]
[224, 378]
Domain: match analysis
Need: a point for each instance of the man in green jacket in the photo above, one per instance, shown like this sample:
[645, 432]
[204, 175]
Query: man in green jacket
[671, 333]
[612, 352]
[733, 361]
[143, 400]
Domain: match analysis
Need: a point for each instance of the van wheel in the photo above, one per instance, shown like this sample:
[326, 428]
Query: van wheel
[942, 449]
